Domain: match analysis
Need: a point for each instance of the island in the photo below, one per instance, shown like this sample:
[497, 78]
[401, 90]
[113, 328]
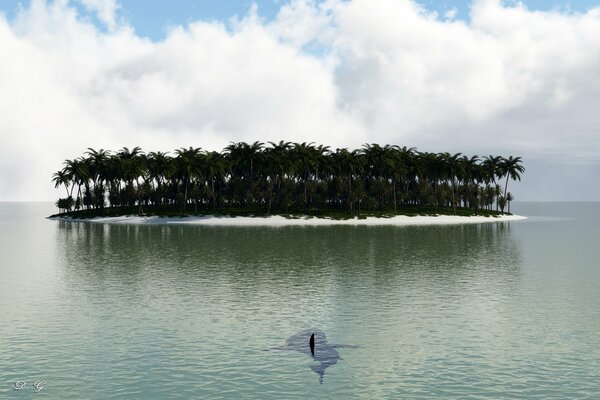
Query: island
[287, 183]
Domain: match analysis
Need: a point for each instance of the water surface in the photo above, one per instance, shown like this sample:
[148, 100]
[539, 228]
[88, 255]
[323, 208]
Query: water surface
[502, 310]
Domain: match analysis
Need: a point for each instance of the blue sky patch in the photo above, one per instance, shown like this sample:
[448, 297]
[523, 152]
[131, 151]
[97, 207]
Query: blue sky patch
[153, 18]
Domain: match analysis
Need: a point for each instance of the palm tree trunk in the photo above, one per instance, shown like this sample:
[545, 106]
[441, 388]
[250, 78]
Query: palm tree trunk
[395, 208]
[185, 193]
[350, 192]
[305, 191]
[213, 191]
[454, 195]
[271, 196]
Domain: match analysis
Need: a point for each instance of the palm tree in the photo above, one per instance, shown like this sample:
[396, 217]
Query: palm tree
[407, 160]
[280, 165]
[62, 178]
[243, 161]
[491, 171]
[96, 162]
[435, 172]
[131, 165]
[472, 173]
[502, 202]
[77, 171]
[188, 162]
[491, 166]
[215, 167]
[349, 164]
[283, 175]
[305, 157]
[454, 169]
[379, 163]
[159, 167]
[509, 198]
[511, 167]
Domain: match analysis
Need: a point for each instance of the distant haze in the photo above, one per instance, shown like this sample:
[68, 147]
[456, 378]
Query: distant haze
[509, 81]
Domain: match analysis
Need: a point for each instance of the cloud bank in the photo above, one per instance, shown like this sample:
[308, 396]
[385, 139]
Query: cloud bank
[342, 73]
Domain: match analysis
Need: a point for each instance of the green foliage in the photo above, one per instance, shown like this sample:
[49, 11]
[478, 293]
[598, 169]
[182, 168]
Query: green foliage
[285, 178]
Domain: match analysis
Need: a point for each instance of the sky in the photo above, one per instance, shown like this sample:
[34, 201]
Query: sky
[477, 77]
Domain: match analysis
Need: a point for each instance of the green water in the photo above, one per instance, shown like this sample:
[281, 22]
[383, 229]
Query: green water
[500, 310]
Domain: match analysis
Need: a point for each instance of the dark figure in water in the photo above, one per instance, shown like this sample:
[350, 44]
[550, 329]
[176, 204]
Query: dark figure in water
[318, 348]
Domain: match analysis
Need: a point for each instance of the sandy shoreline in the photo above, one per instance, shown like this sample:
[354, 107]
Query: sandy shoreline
[399, 220]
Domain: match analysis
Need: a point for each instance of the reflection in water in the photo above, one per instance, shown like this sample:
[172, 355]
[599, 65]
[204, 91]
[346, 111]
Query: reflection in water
[138, 311]
[244, 263]
[280, 252]
[287, 260]
[203, 295]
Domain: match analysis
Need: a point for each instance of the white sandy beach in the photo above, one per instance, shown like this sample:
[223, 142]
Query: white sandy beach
[399, 220]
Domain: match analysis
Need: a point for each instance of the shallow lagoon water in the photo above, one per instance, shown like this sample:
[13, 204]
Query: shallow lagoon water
[497, 310]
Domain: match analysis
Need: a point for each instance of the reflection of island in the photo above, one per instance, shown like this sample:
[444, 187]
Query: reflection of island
[294, 258]
[216, 297]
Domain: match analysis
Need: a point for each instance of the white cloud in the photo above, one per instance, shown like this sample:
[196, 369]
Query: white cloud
[104, 9]
[451, 13]
[510, 81]
[417, 76]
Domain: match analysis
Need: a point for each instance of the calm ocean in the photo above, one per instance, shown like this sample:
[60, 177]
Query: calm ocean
[498, 310]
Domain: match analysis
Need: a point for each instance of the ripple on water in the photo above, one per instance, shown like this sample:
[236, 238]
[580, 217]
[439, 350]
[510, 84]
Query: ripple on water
[112, 312]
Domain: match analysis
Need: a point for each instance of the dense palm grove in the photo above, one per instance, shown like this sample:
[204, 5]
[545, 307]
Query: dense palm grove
[286, 177]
